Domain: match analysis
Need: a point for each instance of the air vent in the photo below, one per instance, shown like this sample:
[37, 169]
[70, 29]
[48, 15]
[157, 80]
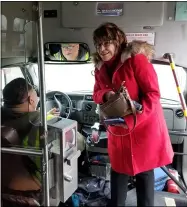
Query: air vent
[88, 107]
[179, 113]
[88, 97]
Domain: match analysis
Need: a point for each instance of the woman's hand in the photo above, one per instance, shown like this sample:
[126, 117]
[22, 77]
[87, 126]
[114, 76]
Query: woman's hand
[139, 111]
[138, 107]
[54, 112]
[109, 95]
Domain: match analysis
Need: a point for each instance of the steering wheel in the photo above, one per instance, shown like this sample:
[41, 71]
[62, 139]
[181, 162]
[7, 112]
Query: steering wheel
[52, 101]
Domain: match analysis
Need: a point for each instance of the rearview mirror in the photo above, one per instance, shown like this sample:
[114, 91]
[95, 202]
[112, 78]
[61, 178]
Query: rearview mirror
[66, 52]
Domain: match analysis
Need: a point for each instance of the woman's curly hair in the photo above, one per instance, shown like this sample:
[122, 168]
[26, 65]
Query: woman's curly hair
[109, 32]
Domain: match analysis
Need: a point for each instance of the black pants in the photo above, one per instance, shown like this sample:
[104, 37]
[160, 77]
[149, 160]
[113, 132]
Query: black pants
[144, 188]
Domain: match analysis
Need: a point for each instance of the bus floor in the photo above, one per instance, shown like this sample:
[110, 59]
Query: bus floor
[161, 199]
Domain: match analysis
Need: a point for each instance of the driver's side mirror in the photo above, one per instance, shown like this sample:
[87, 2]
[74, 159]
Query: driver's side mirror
[66, 52]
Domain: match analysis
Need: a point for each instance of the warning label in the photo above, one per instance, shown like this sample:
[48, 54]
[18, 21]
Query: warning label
[148, 37]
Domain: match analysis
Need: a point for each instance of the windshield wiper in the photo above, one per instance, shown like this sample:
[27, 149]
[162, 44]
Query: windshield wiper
[167, 99]
[84, 91]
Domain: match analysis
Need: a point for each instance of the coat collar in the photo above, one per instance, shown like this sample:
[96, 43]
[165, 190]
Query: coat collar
[124, 57]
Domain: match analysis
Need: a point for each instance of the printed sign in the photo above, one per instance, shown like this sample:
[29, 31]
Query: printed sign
[109, 8]
[148, 37]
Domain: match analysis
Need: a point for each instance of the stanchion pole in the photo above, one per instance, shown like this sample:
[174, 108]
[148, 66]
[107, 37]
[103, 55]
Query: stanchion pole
[43, 113]
[172, 65]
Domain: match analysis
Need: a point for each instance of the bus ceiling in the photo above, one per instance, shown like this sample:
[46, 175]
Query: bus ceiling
[164, 24]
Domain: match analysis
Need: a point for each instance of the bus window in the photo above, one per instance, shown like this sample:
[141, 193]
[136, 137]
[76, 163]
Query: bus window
[3, 34]
[168, 89]
[2, 83]
[11, 74]
[18, 25]
[3, 22]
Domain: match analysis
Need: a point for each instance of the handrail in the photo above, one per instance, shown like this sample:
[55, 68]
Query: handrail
[180, 153]
[43, 113]
[21, 151]
[164, 168]
[178, 133]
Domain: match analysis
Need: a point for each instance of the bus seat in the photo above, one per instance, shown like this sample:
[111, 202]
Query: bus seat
[9, 136]
[19, 187]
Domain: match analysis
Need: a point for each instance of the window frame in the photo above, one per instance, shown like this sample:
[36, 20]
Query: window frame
[9, 67]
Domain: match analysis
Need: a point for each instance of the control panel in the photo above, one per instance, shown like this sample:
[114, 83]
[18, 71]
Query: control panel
[89, 114]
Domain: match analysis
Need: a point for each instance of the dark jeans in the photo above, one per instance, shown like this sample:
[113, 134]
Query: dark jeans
[144, 188]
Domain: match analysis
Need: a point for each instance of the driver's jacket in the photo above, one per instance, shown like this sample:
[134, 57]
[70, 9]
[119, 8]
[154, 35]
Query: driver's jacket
[27, 126]
[33, 140]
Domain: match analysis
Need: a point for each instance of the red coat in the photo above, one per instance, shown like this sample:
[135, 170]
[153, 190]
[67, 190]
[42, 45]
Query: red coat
[149, 145]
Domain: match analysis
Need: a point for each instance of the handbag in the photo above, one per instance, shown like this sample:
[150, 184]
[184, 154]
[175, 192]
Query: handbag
[120, 105]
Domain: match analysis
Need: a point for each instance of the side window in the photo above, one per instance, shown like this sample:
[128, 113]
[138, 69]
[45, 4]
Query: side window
[12, 73]
[2, 79]
[3, 32]
[18, 25]
[169, 90]
[3, 22]
[18, 42]
[2, 84]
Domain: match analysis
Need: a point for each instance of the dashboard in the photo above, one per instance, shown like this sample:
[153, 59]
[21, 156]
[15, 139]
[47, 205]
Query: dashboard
[84, 112]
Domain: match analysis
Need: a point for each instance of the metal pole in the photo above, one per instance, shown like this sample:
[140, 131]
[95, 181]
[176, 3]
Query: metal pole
[178, 133]
[180, 153]
[164, 168]
[43, 112]
[181, 97]
[21, 151]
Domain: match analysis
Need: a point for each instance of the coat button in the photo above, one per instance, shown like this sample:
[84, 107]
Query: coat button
[107, 86]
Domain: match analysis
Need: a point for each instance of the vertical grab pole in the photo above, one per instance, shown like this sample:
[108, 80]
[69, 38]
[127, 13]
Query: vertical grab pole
[172, 65]
[43, 113]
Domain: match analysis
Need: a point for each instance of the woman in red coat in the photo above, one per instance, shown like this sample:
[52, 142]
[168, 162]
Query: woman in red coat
[148, 146]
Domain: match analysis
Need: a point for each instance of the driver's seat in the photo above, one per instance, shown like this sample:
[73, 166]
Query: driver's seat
[19, 187]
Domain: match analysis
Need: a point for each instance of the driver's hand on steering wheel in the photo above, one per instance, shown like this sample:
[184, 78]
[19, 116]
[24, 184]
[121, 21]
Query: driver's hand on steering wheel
[54, 112]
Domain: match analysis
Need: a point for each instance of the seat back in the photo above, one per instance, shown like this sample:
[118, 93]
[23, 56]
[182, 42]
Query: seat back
[9, 136]
[14, 174]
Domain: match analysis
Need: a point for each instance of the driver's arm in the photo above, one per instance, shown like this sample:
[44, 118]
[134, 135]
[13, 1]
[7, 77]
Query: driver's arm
[52, 113]
[50, 116]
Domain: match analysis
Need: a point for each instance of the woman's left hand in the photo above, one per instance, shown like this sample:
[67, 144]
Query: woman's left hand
[139, 111]
[54, 112]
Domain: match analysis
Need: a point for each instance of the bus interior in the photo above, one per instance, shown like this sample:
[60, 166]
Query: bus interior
[62, 26]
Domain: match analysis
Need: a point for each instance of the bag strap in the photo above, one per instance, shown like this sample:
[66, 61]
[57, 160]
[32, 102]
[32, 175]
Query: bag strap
[119, 135]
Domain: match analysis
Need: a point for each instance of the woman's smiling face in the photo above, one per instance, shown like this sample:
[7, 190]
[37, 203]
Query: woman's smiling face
[106, 50]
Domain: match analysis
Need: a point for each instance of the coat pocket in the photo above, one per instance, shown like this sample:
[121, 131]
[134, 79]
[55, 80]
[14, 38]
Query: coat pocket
[148, 133]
